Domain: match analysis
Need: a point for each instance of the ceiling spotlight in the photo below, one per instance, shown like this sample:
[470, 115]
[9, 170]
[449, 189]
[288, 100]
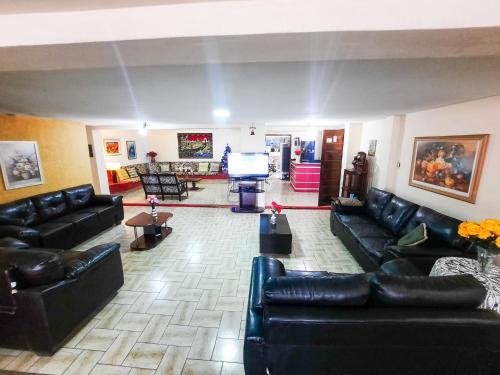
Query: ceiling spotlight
[252, 130]
[221, 113]
[144, 129]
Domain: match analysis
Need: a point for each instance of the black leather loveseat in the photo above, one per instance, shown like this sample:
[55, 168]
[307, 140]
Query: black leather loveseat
[371, 232]
[46, 295]
[60, 219]
[318, 323]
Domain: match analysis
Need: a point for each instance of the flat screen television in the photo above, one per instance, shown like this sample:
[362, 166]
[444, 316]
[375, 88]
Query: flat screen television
[248, 165]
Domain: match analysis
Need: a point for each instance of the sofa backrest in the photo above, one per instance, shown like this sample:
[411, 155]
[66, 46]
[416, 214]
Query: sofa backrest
[442, 230]
[21, 212]
[397, 213]
[375, 202]
[78, 196]
[50, 205]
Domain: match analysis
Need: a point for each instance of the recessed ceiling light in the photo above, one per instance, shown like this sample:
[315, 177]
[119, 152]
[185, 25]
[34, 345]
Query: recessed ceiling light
[221, 113]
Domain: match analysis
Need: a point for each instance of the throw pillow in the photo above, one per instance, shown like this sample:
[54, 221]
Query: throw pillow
[349, 202]
[214, 167]
[415, 237]
[132, 172]
[122, 174]
[164, 167]
[203, 167]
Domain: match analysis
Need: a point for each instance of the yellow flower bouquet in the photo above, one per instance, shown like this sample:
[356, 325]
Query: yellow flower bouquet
[486, 235]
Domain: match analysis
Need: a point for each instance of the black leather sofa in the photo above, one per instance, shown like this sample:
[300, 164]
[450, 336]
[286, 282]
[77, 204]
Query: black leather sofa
[318, 323]
[46, 295]
[60, 219]
[370, 232]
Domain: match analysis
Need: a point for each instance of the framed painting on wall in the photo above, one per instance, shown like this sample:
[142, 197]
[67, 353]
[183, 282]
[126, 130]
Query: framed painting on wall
[112, 147]
[372, 147]
[20, 163]
[195, 145]
[131, 150]
[449, 165]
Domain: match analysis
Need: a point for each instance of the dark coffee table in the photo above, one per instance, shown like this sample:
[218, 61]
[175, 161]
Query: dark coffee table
[275, 239]
[194, 181]
[153, 233]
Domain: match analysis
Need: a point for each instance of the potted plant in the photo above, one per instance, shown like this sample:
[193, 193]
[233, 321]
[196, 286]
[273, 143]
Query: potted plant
[486, 236]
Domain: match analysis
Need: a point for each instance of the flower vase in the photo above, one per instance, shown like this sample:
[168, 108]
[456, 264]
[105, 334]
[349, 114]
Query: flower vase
[485, 258]
[154, 214]
[273, 218]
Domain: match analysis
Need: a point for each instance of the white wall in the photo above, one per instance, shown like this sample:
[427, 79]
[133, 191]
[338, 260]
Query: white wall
[382, 131]
[164, 142]
[141, 142]
[477, 117]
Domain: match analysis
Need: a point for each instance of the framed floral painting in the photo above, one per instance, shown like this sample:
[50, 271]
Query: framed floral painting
[112, 147]
[20, 163]
[449, 165]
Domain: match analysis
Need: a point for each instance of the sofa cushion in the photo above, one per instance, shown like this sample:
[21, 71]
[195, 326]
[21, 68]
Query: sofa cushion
[458, 291]
[34, 266]
[77, 262]
[401, 267]
[21, 213]
[415, 237]
[214, 167]
[132, 172]
[122, 175]
[397, 213]
[376, 200]
[104, 212]
[203, 167]
[78, 196]
[376, 246]
[442, 230]
[164, 167]
[13, 243]
[334, 290]
[348, 219]
[56, 234]
[50, 205]
[372, 229]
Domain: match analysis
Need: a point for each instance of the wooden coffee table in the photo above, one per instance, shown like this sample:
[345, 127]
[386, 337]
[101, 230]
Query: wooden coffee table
[194, 181]
[154, 233]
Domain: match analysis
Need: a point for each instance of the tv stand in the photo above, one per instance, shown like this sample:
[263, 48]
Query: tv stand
[248, 190]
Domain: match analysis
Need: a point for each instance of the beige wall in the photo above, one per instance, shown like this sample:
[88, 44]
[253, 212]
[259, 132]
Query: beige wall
[63, 153]
[477, 117]
[390, 167]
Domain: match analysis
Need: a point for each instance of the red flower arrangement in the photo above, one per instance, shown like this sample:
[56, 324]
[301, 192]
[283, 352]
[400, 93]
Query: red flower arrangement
[152, 154]
[276, 208]
[298, 152]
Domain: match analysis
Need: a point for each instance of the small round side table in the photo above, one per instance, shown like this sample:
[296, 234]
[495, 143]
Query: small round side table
[491, 280]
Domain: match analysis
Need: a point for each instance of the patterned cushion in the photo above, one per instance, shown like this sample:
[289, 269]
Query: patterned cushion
[214, 167]
[132, 173]
[122, 175]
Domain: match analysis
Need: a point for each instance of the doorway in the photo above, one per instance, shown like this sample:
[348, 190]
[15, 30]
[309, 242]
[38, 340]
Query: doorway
[331, 165]
[274, 146]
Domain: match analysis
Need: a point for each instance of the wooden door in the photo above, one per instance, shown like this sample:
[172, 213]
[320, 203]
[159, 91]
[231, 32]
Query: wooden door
[331, 165]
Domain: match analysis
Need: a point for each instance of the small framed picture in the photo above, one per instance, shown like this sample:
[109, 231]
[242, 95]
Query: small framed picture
[112, 147]
[372, 147]
[21, 164]
[131, 150]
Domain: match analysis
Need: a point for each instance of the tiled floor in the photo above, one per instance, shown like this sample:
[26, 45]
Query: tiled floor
[182, 308]
[216, 192]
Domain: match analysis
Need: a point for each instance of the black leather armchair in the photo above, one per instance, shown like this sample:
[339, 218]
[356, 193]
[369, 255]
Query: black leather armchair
[323, 324]
[371, 232]
[46, 295]
[60, 219]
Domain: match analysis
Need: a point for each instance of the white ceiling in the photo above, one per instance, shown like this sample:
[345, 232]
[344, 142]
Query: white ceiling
[259, 78]
[44, 6]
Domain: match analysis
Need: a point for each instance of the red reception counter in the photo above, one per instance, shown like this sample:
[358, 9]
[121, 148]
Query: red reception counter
[304, 177]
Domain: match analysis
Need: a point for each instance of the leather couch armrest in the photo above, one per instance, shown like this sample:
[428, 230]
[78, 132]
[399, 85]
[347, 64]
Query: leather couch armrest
[13, 243]
[29, 235]
[76, 263]
[337, 290]
[106, 199]
[422, 251]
